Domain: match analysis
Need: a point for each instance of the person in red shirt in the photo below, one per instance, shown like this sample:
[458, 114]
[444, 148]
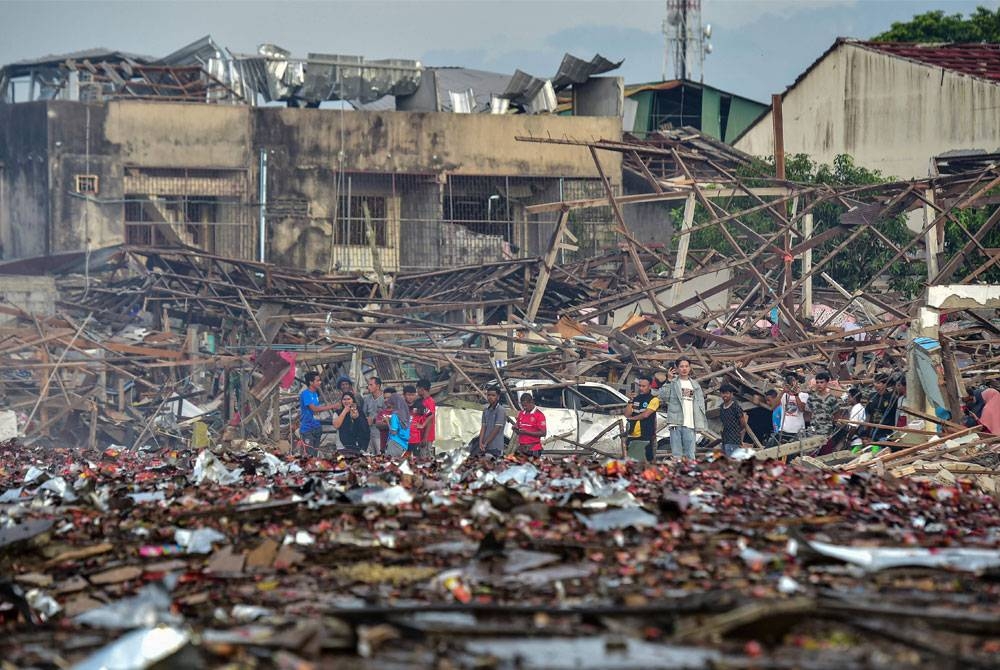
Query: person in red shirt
[418, 418]
[530, 426]
[430, 412]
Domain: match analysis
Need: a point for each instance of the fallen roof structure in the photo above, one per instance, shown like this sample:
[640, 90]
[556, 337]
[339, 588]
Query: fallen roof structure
[607, 317]
[153, 412]
[203, 71]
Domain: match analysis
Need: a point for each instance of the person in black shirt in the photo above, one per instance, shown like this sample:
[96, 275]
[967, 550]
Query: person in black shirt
[641, 415]
[760, 419]
[881, 408]
[734, 420]
[352, 426]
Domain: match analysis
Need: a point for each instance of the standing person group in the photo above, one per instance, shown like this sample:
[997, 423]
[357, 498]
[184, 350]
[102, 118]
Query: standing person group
[382, 422]
[528, 427]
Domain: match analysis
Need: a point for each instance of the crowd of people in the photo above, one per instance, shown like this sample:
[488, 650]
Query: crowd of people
[850, 418]
[401, 424]
[383, 421]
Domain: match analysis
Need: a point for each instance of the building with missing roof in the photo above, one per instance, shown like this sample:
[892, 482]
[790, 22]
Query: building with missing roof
[892, 106]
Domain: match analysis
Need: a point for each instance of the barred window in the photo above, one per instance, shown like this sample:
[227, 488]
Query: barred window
[349, 227]
[87, 184]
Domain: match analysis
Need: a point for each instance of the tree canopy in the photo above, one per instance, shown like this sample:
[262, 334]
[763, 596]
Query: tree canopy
[982, 25]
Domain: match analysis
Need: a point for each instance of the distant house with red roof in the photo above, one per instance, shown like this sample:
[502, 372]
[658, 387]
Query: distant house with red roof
[892, 106]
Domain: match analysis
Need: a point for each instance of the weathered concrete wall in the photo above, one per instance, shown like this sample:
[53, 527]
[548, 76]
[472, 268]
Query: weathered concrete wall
[179, 135]
[888, 113]
[306, 148]
[473, 144]
[33, 294]
[44, 146]
[24, 180]
[78, 146]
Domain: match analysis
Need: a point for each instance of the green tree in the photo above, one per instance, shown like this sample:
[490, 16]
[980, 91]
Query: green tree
[982, 25]
[865, 258]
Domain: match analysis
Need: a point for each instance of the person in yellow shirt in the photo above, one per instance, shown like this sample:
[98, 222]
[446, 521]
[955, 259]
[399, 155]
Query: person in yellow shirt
[641, 415]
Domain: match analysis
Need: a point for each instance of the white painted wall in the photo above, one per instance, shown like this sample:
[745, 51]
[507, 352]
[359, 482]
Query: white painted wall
[889, 113]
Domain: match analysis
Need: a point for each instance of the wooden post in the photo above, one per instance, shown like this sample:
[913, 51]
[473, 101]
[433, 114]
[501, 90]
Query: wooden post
[92, 437]
[807, 263]
[932, 241]
[682, 247]
[779, 172]
[779, 136]
[276, 414]
[510, 334]
[548, 262]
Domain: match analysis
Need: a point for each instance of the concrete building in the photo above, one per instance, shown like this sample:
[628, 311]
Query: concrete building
[891, 106]
[100, 148]
[440, 189]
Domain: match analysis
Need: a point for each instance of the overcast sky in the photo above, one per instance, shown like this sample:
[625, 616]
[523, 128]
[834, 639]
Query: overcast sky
[760, 46]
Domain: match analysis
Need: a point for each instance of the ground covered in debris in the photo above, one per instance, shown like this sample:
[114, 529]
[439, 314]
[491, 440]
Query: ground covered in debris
[208, 559]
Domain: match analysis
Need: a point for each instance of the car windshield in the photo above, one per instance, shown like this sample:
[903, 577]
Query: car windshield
[600, 399]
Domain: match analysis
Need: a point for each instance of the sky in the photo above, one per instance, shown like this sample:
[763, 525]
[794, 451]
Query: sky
[759, 46]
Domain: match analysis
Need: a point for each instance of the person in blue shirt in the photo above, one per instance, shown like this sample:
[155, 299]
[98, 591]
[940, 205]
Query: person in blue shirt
[309, 426]
[399, 426]
[775, 402]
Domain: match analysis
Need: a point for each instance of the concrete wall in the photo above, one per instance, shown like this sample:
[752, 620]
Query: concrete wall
[33, 294]
[24, 180]
[599, 96]
[307, 146]
[177, 135]
[888, 113]
[78, 146]
[474, 144]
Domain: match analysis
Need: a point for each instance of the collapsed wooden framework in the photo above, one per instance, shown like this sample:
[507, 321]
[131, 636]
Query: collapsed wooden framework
[149, 326]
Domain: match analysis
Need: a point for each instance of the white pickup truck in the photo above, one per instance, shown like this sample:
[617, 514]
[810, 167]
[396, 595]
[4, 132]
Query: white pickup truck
[573, 413]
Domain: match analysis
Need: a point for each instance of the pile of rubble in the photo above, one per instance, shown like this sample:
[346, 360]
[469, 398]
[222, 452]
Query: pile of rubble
[248, 558]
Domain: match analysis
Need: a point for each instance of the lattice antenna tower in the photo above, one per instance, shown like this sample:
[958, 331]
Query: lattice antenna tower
[686, 40]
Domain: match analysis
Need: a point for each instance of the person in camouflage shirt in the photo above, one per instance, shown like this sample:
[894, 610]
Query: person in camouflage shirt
[823, 405]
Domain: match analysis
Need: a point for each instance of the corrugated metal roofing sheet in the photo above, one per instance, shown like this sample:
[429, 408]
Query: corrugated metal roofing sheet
[573, 70]
[97, 53]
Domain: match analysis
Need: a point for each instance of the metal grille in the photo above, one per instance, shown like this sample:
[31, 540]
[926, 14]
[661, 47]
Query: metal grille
[203, 208]
[593, 227]
[423, 221]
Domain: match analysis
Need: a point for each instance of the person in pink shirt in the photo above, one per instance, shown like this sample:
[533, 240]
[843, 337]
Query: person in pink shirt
[430, 414]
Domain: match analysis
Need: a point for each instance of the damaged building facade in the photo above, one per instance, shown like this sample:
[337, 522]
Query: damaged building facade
[121, 151]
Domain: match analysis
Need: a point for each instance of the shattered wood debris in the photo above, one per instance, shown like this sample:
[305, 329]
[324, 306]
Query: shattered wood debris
[154, 413]
[327, 560]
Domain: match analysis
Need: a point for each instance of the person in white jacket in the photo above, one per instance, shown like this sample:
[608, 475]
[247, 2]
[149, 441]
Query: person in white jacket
[685, 402]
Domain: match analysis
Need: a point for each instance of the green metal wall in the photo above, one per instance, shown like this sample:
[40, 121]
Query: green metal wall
[643, 112]
[742, 113]
[711, 103]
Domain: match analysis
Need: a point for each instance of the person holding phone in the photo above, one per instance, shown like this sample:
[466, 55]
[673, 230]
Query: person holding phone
[685, 401]
[352, 426]
[794, 410]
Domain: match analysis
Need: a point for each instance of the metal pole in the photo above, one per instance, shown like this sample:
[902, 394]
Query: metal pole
[262, 200]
